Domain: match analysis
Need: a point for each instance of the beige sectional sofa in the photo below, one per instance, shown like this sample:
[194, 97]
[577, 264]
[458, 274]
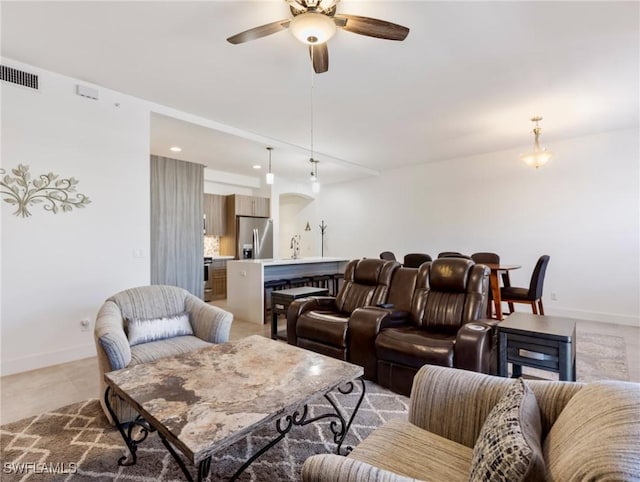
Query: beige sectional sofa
[586, 432]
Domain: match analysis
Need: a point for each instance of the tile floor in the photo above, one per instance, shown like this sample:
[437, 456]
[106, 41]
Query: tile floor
[31, 393]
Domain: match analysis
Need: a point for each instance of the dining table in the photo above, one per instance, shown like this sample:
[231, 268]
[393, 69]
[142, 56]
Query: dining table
[496, 269]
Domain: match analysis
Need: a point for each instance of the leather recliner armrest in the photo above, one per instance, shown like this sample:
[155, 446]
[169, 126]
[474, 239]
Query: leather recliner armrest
[298, 307]
[364, 326]
[475, 347]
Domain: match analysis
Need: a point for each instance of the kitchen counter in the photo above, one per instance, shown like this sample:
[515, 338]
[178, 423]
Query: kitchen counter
[286, 261]
[246, 277]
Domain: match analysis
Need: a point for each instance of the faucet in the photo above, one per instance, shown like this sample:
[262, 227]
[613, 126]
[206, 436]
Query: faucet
[295, 245]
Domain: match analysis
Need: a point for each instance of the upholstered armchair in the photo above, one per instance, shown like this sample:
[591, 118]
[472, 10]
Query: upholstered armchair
[321, 323]
[572, 432]
[141, 325]
[444, 326]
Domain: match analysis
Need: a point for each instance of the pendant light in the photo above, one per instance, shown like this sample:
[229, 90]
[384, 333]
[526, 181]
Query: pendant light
[270, 176]
[539, 156]
[315, 184]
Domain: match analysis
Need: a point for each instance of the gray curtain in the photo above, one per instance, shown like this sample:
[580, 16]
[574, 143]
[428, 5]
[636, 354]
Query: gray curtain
[177, 190]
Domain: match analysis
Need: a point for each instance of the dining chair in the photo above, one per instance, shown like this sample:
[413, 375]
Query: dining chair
[486, 258]
[532, 295]
[491, 258]
[414, 260]
[453, 254]
[388, 255]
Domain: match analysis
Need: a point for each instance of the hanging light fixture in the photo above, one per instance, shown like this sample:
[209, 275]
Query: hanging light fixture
[315, 183]
[539, 156]
[270, 176]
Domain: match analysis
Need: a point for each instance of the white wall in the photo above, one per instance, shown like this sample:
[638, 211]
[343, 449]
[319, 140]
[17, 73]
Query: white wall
[59, 268]
[295, 212]
[225, 183]
[287, 191]
[582, 209]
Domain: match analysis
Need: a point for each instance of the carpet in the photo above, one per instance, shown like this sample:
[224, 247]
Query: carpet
[598, 357]
[79, 434]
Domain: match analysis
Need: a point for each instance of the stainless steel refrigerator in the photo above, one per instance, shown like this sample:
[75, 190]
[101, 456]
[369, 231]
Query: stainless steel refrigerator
[254, 237]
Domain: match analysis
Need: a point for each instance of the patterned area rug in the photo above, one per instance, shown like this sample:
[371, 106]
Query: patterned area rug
[78, 439]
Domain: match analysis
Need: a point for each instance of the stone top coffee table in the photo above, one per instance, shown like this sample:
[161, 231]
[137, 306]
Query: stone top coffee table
[203, 401]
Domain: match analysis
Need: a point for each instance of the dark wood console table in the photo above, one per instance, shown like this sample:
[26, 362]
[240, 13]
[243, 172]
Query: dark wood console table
[543, 342]
[280, 301]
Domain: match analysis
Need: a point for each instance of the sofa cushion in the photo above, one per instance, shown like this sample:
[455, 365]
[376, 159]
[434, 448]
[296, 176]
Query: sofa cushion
[508, 448]
[326, 327]
[405, 449]
[148, 352]
[145, 331]
[414, 347]
[147, 302]
[597, 435]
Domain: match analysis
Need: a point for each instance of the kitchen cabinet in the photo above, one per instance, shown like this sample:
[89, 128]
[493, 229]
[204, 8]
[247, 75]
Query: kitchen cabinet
[241, 205]
[218, 273]
[215, 210]
[250, 205]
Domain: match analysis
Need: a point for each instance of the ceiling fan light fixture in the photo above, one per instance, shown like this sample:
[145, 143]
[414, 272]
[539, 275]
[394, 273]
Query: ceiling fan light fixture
[312, 28]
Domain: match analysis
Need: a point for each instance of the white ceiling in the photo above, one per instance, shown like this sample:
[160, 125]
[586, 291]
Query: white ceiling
[465, 81]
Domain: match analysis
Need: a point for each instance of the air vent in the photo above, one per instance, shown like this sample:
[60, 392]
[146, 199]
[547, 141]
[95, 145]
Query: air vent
[19, 77]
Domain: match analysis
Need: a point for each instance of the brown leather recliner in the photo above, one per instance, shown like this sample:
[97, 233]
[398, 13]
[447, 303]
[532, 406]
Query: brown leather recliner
[320, 323]
[365, 323]
[442, 328]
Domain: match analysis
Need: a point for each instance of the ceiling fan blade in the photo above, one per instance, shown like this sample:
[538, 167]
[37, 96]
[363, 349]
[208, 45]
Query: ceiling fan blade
[320, 56]
[372, 27]
[258, 32]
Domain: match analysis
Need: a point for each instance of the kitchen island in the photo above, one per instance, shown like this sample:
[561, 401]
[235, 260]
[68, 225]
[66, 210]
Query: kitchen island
[246, 277]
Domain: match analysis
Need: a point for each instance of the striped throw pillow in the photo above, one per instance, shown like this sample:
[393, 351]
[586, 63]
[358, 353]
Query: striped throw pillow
[144, 331]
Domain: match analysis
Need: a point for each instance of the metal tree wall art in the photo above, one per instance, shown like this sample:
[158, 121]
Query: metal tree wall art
[55, 194]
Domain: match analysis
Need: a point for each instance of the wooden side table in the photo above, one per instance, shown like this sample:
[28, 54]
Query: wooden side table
[280, 301]
[543, 342]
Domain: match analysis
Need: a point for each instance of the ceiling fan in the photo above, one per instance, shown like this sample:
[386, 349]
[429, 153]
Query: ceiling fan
[315, 21]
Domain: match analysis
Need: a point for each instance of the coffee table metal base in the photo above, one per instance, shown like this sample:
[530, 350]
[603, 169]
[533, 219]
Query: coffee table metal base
[299, 418]
[126, 430]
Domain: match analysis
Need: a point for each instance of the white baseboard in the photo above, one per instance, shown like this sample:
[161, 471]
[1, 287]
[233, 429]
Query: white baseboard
[616, 319]
[41, 360]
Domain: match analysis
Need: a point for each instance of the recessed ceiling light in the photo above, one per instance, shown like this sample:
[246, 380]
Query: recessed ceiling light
[175, 149]
[257, 166]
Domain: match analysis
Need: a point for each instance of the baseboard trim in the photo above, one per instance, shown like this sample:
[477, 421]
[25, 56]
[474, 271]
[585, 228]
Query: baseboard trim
[613, 318]
[42, 360]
